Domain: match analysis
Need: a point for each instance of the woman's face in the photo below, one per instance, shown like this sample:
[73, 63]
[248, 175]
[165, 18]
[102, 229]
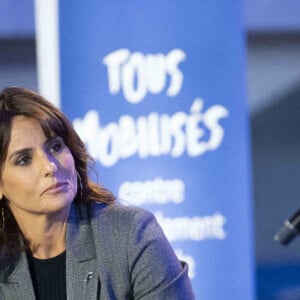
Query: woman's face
[39, 176]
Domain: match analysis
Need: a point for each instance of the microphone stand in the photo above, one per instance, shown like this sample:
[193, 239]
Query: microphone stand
[289, 230]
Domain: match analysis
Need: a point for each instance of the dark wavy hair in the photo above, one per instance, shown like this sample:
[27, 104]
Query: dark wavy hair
[16, 101]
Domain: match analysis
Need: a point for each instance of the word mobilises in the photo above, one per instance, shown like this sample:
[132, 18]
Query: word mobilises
[194, 133]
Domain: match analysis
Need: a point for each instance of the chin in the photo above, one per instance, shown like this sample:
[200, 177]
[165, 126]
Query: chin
[58, 203]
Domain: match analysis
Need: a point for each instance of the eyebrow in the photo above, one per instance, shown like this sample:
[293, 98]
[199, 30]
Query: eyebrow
[19, 152]
[54, 138]
[26, 150]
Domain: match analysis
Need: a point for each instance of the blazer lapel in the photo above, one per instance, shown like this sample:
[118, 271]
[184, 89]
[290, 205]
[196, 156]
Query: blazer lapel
[18, 284]
[81, 265]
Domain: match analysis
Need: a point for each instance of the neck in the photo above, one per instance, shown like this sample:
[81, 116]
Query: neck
[46, 233]
[49, 241]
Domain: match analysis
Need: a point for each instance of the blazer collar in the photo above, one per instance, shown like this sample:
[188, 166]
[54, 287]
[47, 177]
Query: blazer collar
[81, 263]
[81, 267]
[18, 283]
[20, 272]
[79, 237]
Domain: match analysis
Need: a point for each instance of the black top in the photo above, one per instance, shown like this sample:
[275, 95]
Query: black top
[49, 277]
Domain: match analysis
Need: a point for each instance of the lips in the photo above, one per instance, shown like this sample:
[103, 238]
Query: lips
[55, 188]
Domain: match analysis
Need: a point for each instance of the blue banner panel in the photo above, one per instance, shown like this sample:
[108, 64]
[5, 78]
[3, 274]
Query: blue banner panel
[156, 89]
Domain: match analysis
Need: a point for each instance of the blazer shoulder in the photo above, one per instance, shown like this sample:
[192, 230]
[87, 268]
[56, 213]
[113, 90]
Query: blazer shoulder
[126, 225]
[119, 212]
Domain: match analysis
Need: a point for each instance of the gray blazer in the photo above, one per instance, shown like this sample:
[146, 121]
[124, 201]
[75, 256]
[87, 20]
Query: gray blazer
[112, 252]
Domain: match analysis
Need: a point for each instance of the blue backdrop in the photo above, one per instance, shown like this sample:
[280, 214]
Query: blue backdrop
[156, 89]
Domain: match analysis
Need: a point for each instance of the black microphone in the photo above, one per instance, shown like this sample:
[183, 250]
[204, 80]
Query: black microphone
[290, 229]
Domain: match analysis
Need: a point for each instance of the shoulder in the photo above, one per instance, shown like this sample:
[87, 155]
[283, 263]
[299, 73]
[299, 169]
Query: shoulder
[129, 243]
[119, 214]
[115, 225]
[121, 231]
[134, 228]
[128, 232]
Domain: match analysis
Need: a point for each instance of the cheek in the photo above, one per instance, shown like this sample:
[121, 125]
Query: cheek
[18, 187]
[69, 165]
[67, 161]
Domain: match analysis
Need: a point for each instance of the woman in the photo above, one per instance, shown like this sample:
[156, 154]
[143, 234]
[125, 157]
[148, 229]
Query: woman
[61, 235]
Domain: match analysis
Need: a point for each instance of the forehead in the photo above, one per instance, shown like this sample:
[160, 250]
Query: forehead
[24, 130]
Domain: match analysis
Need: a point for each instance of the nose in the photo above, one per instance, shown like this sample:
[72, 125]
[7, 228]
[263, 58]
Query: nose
[50, 169]
[49, 166]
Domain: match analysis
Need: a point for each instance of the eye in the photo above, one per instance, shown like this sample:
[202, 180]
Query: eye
[23, 160]
[56, 146]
